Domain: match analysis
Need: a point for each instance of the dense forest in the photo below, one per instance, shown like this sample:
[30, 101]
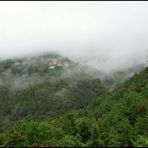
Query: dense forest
[51, 101]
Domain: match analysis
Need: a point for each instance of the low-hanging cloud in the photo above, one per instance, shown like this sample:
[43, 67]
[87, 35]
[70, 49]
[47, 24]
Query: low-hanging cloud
[109, 36]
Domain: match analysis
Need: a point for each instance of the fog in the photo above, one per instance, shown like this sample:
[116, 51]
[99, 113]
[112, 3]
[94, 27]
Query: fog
[107, 35]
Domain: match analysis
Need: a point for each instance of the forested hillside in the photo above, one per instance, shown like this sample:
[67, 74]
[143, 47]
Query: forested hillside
[71, 109]
[43, 87]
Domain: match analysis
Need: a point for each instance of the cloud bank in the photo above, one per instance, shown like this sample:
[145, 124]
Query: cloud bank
[105, 35]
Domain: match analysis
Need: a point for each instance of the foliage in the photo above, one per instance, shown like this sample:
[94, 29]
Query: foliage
[89, 116]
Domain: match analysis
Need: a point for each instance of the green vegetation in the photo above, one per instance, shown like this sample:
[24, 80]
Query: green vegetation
[74, 110]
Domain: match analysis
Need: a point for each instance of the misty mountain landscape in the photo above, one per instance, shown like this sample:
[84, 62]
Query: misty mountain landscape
[73, 74]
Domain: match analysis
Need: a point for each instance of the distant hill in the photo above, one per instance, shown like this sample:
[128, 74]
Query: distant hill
[43, 87]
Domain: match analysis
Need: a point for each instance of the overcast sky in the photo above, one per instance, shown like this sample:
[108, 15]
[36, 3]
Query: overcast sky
[114, 32]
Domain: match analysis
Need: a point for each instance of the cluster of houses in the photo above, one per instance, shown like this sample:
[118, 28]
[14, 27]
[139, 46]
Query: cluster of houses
[59, 62]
